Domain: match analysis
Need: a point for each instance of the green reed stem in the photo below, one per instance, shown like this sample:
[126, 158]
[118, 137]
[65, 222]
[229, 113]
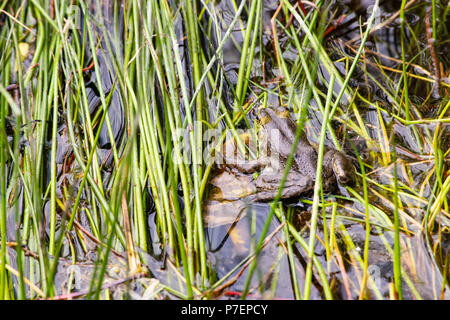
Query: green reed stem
[317, 187]
[397, 245]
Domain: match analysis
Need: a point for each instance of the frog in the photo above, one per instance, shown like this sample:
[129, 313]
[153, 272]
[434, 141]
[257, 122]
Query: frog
[276, 135]
[239, 181]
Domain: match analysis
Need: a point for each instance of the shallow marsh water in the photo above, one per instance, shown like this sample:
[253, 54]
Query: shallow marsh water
[228, 245]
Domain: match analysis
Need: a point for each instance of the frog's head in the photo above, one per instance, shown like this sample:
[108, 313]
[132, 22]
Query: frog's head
[343, 169]
[265, 116]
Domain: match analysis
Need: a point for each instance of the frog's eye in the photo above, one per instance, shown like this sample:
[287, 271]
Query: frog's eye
[264, 117]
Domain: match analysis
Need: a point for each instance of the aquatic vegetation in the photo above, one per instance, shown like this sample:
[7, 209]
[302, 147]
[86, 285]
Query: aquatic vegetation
[114, 116]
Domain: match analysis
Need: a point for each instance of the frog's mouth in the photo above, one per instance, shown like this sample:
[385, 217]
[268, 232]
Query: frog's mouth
[343, 179]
